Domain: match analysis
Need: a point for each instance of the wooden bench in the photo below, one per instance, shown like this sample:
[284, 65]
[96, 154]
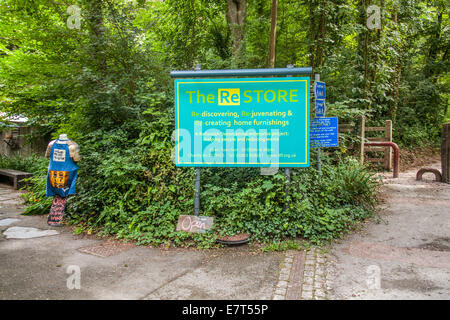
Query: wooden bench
[16, 175]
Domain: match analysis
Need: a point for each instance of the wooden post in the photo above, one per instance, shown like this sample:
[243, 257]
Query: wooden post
[362, 138]
[388, 150]
[445, 153]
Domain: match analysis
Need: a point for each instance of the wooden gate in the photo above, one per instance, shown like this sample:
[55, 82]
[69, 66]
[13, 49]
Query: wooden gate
[386, 137]
[360, 129]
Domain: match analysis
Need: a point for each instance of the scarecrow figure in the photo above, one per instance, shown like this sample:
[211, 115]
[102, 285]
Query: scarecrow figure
[61, 175]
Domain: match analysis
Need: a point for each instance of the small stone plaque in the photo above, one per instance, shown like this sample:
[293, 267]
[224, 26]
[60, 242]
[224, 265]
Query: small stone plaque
[194, 223]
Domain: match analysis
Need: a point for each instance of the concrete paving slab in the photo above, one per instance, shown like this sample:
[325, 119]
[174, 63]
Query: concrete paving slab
[11, 211]
[7, 222]
[40, 268]
[234, 274]
[138, 273]
[27, 233]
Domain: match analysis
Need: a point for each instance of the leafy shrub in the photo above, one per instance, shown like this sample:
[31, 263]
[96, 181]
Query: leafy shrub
[32, 164]
[38, 203]
[129, 187]
[122, 196]
[417, 136]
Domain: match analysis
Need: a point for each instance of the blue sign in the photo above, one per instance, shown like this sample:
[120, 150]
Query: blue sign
[249, 122]
[320, 108]
[319, 90]
[324, 132]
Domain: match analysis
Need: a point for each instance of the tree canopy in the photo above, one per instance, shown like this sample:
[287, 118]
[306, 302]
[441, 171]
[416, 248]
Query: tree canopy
[116, 61]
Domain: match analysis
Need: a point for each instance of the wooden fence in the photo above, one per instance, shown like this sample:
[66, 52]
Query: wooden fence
[387, 137]
[359, 127]
[13, 142]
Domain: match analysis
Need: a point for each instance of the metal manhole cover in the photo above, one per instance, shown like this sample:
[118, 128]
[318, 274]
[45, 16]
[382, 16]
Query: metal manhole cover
[108, 248]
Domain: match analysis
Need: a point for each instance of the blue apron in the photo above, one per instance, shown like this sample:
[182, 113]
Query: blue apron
[62, 171]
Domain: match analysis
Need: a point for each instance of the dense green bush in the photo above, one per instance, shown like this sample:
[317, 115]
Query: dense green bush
[318, 208]
[136, 195]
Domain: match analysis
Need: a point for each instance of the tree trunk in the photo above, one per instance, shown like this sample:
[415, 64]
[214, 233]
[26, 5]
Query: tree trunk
[236, 18]
[273, 33]
[363, 46]
[398, 71]
[397, 93]
[322, 32]
[95, 24]
[311, 34]
[434, 48]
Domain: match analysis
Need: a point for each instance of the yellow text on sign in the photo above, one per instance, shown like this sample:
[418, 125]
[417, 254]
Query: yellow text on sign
[229, 97]
[232, 97]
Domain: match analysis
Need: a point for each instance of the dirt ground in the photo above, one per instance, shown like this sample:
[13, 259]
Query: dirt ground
[413, 159]
[417, 158]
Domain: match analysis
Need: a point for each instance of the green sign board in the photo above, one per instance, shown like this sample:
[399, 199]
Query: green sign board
[249, 122]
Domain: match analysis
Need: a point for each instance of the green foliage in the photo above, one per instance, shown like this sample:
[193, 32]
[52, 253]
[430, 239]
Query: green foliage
[35, 199]
[129, 205]
[416, 136]
[33, 164]
[107, 86]
[447, 117]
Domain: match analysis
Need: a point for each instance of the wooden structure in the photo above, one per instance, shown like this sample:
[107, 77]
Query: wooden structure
[16, 176]
[392, 145]
[14, 142]
[445, 153]
[362, 132]
[386, 137]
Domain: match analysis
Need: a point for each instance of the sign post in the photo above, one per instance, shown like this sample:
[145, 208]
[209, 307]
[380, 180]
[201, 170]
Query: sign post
[287, 171]
[243, 122]
[197, 185]
[319, 95]
[324, 131]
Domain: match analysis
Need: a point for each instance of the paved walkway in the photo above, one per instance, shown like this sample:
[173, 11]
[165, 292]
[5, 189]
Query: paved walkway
[403, 254]
[67, 266]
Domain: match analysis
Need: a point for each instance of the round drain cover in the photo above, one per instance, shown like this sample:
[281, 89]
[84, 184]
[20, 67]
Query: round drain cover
[239, 238]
